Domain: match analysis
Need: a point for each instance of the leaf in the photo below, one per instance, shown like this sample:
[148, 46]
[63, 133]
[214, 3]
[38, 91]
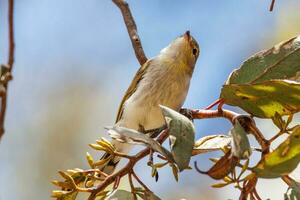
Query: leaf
[108, 147]
[220, 185]
[182, 136]
[175, 172]
[148, 195]
[120, 195]
[64, 195]
[102, 162]
[64, 185]
[264, 99]
[131, 136]
[68, 178]
[222, 168]
[280, 62]
[283, 160]
[240, 142]
[211, 143]
[294, 189]
[90, 159]
[98, 147]
[278, 121]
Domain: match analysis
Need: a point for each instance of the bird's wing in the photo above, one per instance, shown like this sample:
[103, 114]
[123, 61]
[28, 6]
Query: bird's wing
[132, 88]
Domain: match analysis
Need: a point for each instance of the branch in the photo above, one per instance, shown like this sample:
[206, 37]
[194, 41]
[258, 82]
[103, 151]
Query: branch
[132, 30]
[289, 181]
[6, 76]
[272, 5]
[127, 169]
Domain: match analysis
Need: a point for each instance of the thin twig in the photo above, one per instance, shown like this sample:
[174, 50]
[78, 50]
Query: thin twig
[140, 182]
[132, 30]
[256, 194]
[131, 182]
[10, 62]
[123, 155]
[131, 185]
[197, 114]
[272, 5]
[287, 179]
[127, 168]
[281, 132]
[264, 143]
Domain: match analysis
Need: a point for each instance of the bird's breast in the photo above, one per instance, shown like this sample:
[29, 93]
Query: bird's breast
[158, 87]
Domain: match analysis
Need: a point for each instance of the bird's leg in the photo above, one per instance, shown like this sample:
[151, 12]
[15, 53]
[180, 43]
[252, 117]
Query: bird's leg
[187, 112]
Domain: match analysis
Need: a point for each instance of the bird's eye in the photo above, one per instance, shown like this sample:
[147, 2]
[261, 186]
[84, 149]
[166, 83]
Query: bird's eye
[195, 51]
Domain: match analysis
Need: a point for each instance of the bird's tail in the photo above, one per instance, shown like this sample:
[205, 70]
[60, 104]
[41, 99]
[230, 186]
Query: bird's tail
[110, 166]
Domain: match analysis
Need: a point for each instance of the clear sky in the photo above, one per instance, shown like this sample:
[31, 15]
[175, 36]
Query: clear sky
[74, 61]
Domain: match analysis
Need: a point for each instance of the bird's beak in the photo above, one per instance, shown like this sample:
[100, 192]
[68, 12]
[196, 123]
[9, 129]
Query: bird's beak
[187, 35]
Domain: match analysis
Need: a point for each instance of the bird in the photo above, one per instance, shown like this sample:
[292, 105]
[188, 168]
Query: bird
[161, 80]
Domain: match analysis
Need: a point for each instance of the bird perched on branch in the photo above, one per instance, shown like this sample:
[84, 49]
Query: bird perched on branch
[162, 80]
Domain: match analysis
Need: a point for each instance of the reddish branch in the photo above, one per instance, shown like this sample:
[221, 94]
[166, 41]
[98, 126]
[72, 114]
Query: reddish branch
[132, 160]
[132, 30]
[127, 169]
[194, 114]
[7, 76]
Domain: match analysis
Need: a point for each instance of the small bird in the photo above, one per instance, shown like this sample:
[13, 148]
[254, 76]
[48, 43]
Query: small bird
[162, 80]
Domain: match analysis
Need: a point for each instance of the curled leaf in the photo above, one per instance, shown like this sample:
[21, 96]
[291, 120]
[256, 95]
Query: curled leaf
[182, 136]
[131, 136]
[222, 168]
[211, 143]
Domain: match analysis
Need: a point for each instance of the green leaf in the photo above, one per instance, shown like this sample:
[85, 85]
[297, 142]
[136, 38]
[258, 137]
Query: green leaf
[181, 135]
[131, 136]
[278, 121]
[283, 160]
[280, 62]
[264, 99]
[120, 195]
[295, 187]
[211, 143]
[293, 192]
[240, 142]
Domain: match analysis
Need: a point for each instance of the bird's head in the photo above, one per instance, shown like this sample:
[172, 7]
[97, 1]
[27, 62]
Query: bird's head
[184, 50]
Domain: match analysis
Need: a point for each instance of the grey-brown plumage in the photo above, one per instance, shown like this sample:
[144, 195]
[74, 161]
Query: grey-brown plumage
[162, 80]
